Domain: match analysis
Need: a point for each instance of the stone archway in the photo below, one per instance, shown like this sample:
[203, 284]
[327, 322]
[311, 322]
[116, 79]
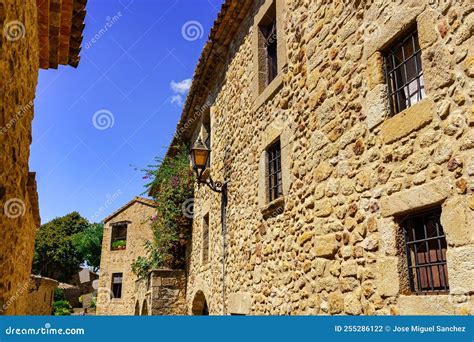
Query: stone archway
[145, 308]
[137, 309]
[200, 306]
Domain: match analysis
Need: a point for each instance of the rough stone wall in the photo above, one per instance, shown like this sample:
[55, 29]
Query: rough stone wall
[40, 296]
[19, 217]
[162, 293]
[120, 261]
[349, 169]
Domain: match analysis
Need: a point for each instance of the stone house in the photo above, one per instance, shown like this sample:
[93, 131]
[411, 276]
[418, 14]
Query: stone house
[34, 34]
[40, 296]
[125, 233]
[345, 132]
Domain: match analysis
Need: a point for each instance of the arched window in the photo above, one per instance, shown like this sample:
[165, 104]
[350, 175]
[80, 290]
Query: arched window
[137, 309]
[200, 307]
[145, 308]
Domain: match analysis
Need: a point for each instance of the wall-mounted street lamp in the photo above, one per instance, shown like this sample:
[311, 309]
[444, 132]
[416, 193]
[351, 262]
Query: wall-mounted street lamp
[199, 155]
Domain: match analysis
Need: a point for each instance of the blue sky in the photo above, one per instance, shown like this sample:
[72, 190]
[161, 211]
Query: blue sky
[95, 125]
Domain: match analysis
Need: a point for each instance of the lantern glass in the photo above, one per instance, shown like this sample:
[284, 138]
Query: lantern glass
[200, 158]
[199, 155]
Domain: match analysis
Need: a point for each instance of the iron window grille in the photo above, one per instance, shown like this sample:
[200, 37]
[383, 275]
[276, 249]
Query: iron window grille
[117, 279]
[274, 172]
[426, 246]
[404, 73]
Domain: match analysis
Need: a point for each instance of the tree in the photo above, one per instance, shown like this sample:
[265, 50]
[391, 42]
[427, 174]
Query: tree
[55, 254]
[88, 244]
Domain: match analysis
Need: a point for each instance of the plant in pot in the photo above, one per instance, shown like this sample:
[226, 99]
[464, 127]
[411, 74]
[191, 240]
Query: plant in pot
[119, 245]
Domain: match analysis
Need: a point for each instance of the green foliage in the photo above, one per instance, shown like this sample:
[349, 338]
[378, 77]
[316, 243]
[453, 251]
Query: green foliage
[62, 308]
[59, 294]
[120, 244]
[64, 244]
[172, 185]
[88, 244]
[55, 255]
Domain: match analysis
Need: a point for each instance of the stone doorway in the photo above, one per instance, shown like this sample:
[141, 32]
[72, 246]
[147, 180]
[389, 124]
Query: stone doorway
[200, 307]
[145, 308]
[137, 309]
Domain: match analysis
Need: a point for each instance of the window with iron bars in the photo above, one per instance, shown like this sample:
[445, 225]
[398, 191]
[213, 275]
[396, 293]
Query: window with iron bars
[404, 73]
[274, 172]
[268, 28]
[426, 246]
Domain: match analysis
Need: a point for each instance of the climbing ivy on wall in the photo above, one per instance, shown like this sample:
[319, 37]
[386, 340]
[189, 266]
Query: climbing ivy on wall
[172, 187]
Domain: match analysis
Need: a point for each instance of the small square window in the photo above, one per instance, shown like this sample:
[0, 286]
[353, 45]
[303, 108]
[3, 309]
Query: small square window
[117, 279]
[404, 73]
[205, 239]
[268, 33]
[426, 247]
[118, 239]
[274, 172]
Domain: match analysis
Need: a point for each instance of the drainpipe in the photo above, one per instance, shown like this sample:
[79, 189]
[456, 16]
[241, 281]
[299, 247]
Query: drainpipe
[224, 231]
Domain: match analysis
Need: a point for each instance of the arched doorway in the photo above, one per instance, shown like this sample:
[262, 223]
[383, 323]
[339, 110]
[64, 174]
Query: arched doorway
[145, 308]
[137, 309]
[200, 307]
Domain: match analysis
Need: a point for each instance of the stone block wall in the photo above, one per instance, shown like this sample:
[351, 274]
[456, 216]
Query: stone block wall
[19, 216]
[162, 293]
[40, 296]
[120, 261]
[351, 170]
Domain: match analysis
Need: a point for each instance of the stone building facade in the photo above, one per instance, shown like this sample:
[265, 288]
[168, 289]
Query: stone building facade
[33, 34]
[345, 132]
[125, 233]
[40, 296]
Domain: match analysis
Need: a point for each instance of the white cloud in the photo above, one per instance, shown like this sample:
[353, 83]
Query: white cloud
[181, 87]
[177, 99]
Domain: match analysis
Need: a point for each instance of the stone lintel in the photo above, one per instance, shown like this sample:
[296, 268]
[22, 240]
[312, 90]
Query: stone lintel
[415, 198]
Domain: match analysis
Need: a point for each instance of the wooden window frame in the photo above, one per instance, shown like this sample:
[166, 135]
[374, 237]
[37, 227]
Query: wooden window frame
[117, 287]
